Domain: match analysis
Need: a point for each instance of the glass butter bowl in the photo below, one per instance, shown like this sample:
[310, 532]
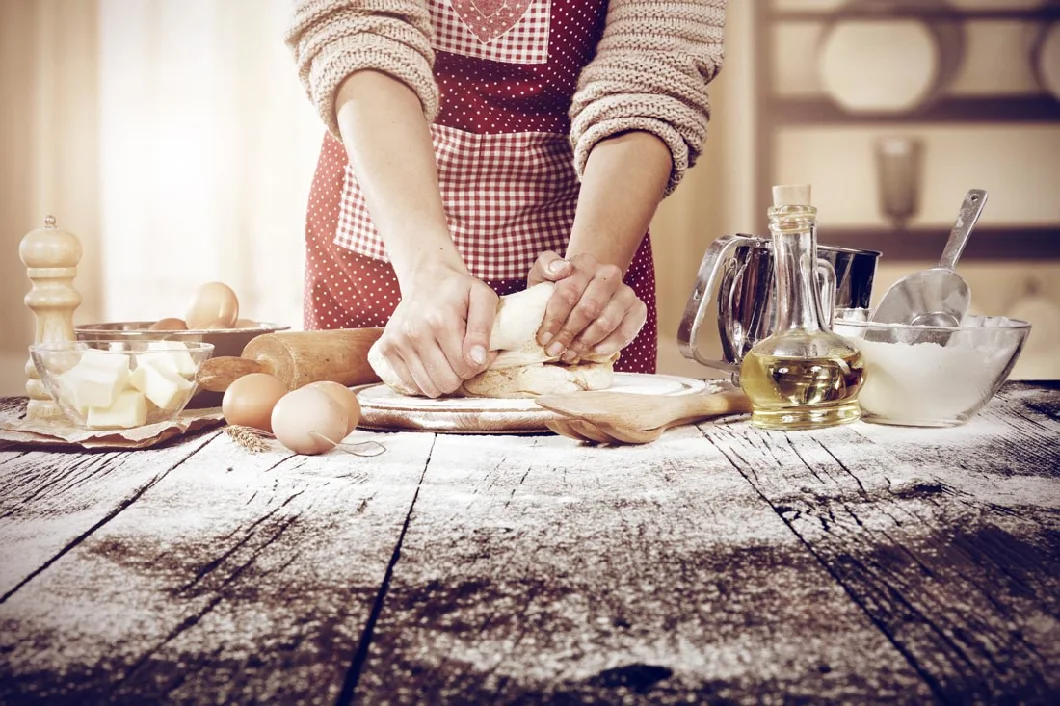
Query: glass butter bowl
[120, 384]
[225, 341]
[931, 376]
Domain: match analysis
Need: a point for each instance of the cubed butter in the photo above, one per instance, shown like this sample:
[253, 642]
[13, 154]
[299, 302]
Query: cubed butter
[159, 383]
[105, 360]
[95, 381]
[129, 410]
[173, 355]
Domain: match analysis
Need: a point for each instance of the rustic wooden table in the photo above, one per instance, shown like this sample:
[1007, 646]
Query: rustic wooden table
[719, 564]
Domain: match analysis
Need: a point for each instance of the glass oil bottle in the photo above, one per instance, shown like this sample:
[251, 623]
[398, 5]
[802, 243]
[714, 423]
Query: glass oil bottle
[802, 376]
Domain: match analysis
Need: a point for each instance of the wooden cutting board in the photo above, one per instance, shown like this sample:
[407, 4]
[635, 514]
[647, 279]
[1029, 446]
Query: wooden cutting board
[383, 409]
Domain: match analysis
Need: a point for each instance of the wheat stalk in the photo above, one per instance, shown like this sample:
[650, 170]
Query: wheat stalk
[253, 440]
[249, 438]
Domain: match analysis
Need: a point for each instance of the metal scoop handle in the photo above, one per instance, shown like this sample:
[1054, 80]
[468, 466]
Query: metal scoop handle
[973, 204]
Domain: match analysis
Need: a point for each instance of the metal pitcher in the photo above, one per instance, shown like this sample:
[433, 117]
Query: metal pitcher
[747, 300]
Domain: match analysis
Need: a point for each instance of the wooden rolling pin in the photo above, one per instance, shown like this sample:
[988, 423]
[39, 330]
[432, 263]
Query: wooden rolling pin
[298, 358]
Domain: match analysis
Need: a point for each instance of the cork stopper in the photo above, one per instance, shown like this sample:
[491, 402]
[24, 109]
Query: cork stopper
[791, 195]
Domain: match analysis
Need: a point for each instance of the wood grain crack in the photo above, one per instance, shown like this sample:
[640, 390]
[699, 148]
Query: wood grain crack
[52, 485]
[216, 562]
[511, 496]
[842, 465]
[360, 657]
[219, 596]
[13, 458]
[102, 521]
[806, 463]
[928, 679]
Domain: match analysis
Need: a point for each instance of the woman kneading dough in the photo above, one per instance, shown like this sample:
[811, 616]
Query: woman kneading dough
[469, 144]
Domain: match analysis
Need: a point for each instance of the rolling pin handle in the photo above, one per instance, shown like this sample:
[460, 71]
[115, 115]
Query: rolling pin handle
[216, 374]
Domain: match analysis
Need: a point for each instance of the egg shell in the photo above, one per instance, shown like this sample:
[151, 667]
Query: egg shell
[249, 400]
[168, 324]
[308, 421]
[214, 305]
[346, 398]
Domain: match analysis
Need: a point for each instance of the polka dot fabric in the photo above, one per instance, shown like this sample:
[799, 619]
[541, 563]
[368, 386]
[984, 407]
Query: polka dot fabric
[345, 289]
[507, 197]
[516, 95]
[497, 96]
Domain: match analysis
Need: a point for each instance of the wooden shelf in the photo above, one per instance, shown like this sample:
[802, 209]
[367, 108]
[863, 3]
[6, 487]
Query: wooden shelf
[988, 242]
[991, 109]
[878, 12]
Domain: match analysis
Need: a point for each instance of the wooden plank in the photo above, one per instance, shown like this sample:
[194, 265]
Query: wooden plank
[1039, 108]
[15, 406]
[235, 578]
[50, 502]
[1000, 243]
[538, 570]
[946, 538]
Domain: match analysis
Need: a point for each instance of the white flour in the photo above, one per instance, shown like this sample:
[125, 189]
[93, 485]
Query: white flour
[925, 383]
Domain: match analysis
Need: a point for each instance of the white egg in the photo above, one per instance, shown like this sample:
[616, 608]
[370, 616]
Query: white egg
[308, 421]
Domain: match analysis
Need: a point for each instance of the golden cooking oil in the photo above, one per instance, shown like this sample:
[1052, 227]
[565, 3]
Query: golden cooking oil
[794, 393]
[803, 375]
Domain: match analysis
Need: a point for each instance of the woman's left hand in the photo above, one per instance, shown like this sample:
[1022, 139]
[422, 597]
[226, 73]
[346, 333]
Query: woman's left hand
[592, 309]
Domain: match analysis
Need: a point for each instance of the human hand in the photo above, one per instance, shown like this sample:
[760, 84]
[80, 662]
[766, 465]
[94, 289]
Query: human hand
[592, 309]
[439, 333]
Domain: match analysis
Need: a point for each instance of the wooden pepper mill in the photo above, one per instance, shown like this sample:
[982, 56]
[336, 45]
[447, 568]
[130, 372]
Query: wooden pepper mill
[50, 255]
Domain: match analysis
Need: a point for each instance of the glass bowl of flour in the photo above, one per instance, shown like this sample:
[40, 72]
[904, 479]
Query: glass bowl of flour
[927, 376]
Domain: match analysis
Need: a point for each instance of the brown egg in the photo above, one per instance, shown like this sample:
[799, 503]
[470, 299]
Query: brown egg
[249, 400]
[214, 306]
[308, 421]
[169, 324]
[346, 398]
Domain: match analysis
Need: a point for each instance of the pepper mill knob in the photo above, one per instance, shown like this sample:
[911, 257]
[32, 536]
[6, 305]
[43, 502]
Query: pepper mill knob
[50, 255]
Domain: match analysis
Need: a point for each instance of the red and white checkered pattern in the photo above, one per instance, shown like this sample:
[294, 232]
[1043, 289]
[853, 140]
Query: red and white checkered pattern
[507, 198]
[461, 28]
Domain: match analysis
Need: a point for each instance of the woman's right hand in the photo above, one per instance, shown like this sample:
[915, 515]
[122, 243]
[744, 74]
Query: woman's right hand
[439, 333]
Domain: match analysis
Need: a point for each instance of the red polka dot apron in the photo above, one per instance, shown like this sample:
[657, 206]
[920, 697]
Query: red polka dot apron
[506, 71]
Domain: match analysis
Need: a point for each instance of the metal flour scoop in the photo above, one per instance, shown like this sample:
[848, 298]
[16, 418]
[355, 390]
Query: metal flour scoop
[939, 296]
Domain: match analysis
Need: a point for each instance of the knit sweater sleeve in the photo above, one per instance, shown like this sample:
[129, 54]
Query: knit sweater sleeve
[650, 72]
[331, 39]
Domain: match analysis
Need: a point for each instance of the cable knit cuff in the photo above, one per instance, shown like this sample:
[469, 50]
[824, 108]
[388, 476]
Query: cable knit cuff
[332, 39]
[336, 63]
[652, 67]
[595, 126]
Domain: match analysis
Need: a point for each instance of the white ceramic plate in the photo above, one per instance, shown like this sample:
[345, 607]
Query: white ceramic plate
[881, 66]
[384, 409]
[1048, 68]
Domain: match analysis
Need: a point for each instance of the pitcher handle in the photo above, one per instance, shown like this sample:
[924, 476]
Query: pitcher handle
[720, 251]
[826, 281]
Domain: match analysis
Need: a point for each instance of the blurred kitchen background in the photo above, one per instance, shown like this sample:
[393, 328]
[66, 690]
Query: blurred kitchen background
[173, 138]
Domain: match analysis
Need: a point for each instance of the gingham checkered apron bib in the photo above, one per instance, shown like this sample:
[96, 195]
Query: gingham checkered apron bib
[506, 71]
